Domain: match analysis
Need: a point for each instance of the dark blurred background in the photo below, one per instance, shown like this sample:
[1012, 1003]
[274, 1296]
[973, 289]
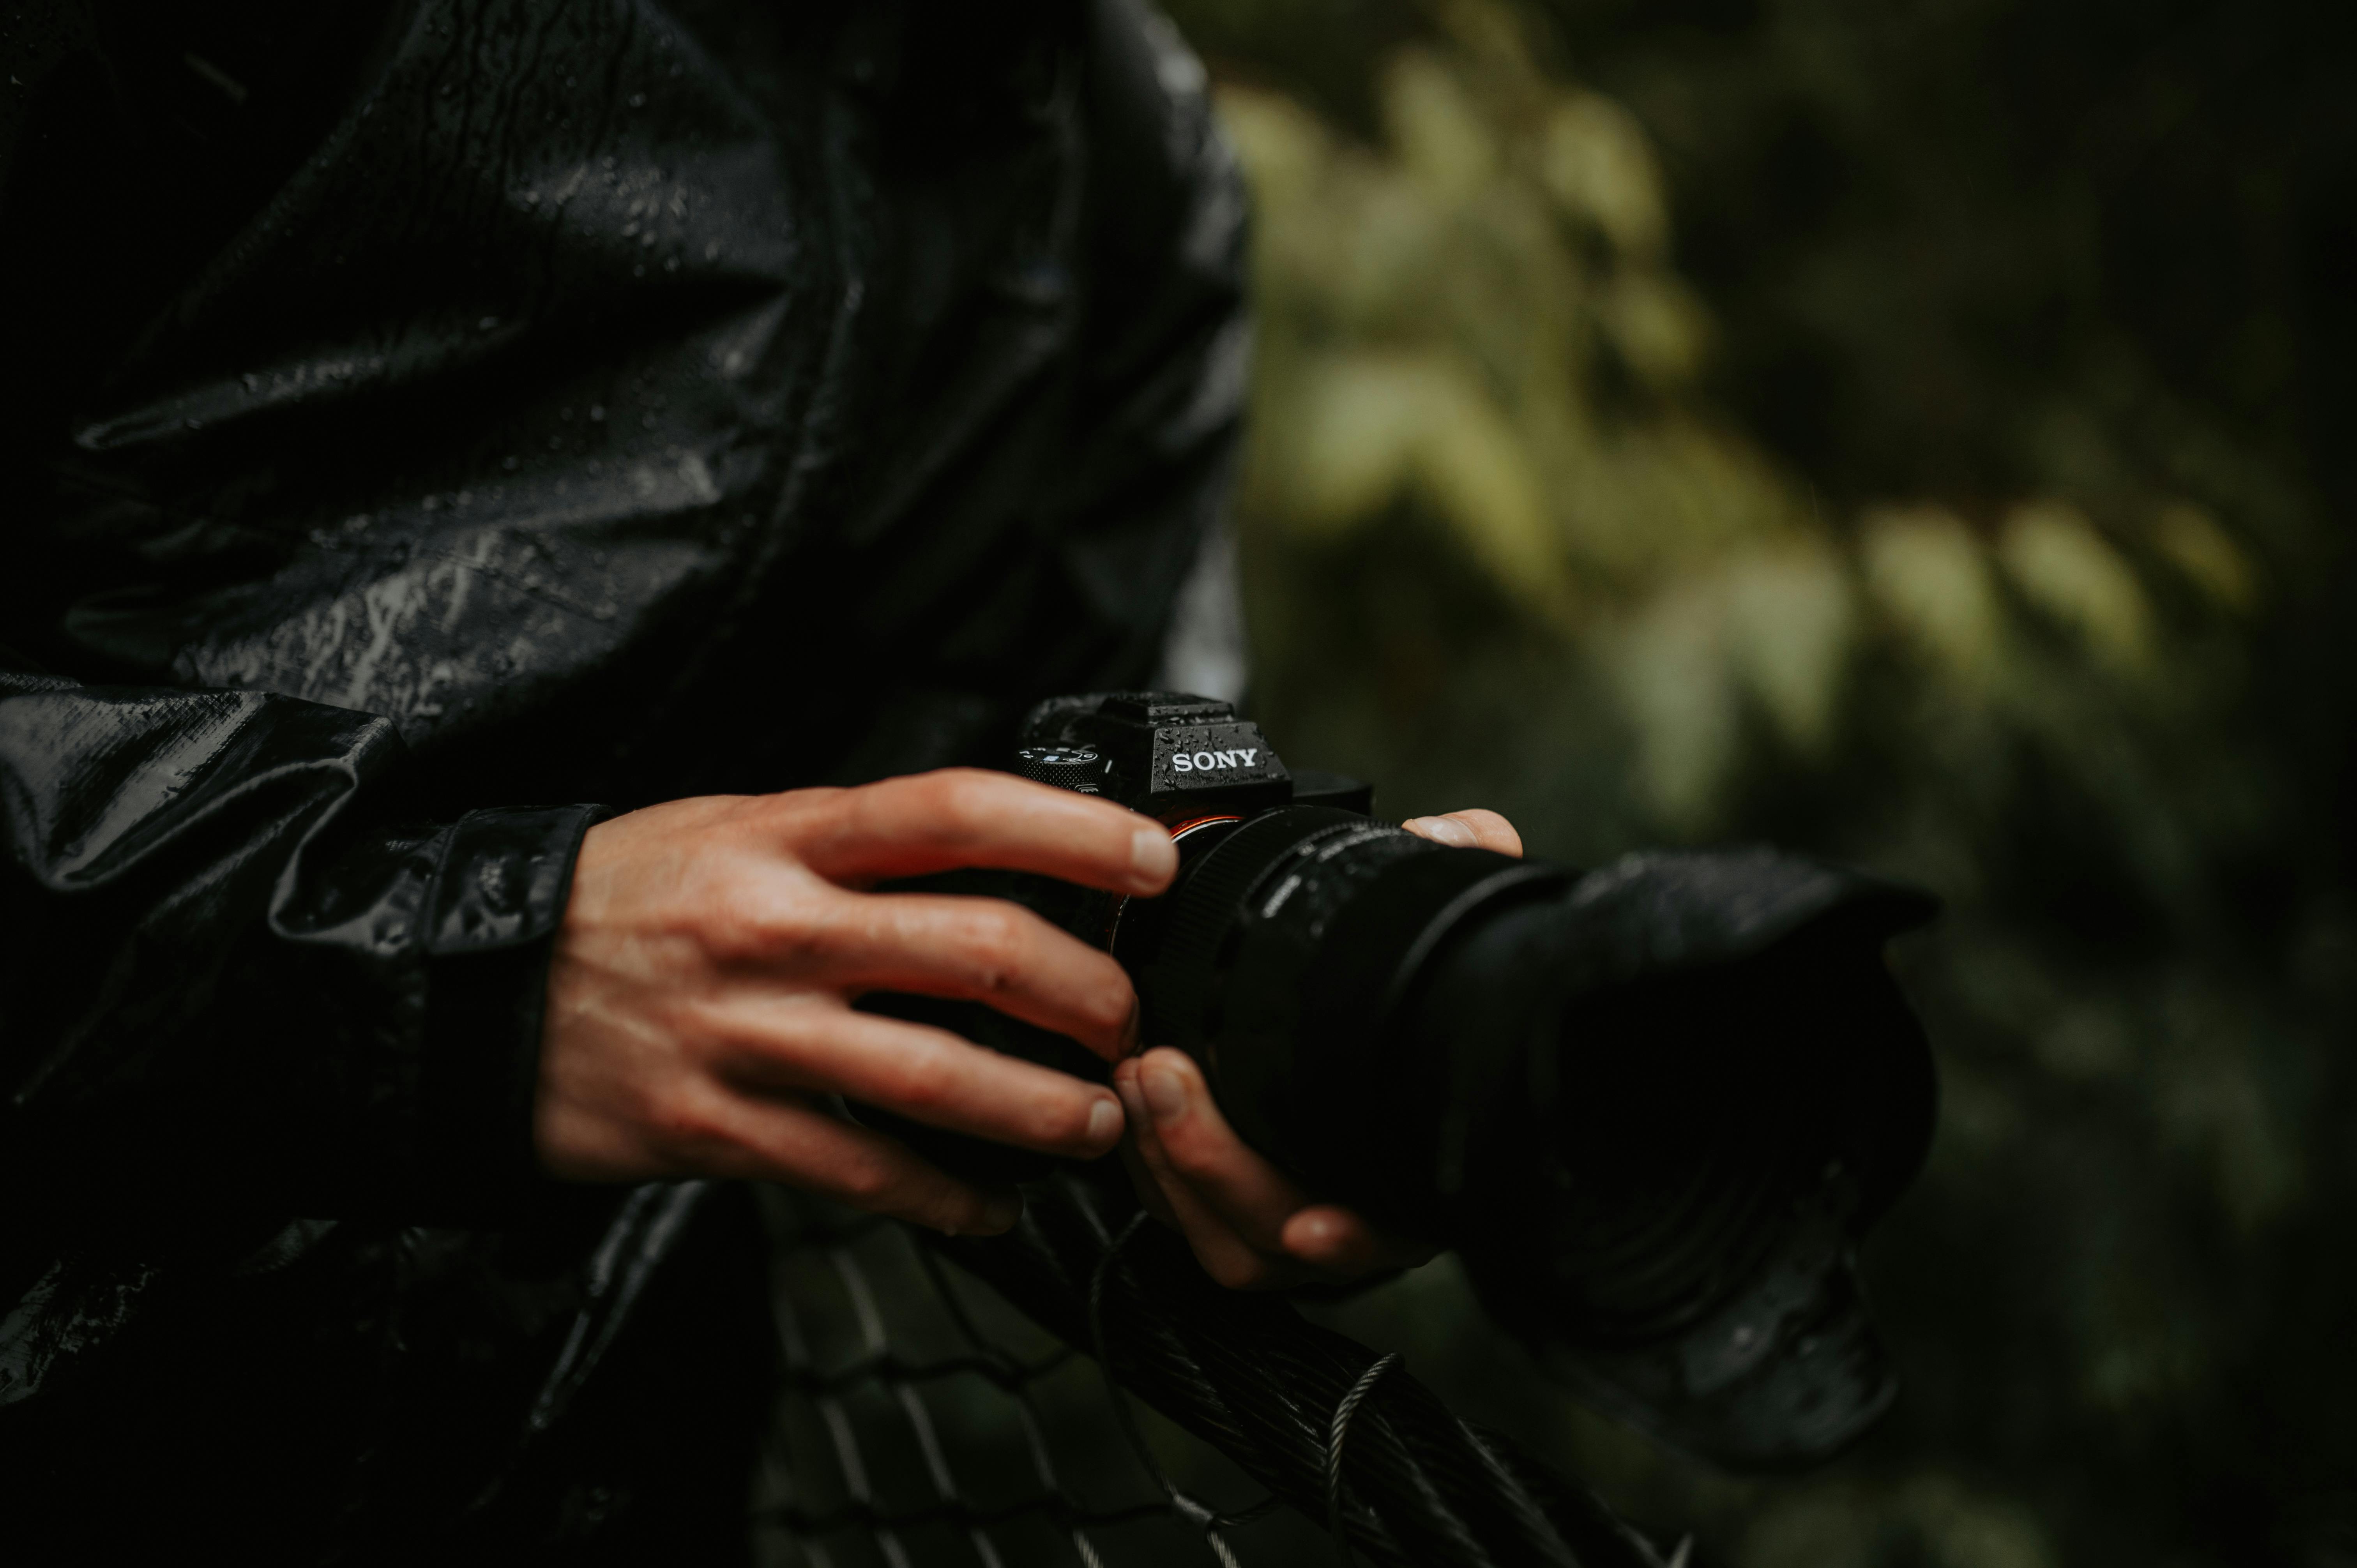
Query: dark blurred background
[1912, 431]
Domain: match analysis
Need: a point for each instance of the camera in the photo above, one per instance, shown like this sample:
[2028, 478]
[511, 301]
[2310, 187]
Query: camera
[1653, 1105]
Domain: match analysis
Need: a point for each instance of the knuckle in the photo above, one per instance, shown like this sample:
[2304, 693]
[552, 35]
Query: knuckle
[863, 1180]
[792, 812]
[741, 920]
[962, 800]
[776, 926]
[741, 932]
[925, 1078]
[684, 1126]
[997, 946]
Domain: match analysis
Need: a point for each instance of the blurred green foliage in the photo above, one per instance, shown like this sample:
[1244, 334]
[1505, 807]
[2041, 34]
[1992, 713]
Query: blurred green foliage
[1907, 430]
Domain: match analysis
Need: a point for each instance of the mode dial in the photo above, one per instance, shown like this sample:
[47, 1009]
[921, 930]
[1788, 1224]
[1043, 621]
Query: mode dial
[1076, 767]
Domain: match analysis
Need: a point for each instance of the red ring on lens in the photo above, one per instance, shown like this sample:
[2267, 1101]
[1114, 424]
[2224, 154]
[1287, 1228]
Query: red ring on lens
[1192, 824]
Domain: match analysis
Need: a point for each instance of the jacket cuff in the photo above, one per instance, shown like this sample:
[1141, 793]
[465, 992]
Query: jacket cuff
[499, 895]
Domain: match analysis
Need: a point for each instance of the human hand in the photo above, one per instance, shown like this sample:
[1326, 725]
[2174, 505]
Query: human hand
[1250, 1226]
[700, 994]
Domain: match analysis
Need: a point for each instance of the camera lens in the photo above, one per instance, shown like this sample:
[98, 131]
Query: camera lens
[1275, 959]
[1649, 1105]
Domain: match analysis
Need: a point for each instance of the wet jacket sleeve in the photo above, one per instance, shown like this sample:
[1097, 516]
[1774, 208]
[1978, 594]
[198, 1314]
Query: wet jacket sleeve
[1169, 347]
[228, 968]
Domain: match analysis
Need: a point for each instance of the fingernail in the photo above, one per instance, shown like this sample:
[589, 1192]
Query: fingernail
[1000, 1211]
[1104, 1124]
[1444, 830]
[1152, 858]
[1165, 1096]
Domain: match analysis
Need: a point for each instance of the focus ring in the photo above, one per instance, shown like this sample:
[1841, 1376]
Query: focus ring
[1182, 982]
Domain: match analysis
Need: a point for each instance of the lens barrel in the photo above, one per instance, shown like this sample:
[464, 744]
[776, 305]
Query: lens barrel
[1650, 1106]
[1277, 960]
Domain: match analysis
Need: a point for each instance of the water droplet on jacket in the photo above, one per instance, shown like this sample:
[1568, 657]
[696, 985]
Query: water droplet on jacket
[671, 265]
[638, 100]
[510, 462]
[596, 414]
[637, 271]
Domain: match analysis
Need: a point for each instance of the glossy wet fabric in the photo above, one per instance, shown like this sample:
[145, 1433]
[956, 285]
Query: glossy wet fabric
[424, 426]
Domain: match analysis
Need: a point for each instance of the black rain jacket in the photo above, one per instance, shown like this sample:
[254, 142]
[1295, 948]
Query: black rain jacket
[425, 425]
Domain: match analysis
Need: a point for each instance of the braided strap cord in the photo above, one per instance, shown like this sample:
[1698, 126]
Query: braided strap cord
[1412, 1488]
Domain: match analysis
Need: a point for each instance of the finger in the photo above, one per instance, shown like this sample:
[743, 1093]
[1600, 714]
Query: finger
[795, 1042]
[1141, 1175]
[1183, 1139]
[1340, 1242]
[770, 1140]
[1331, 1238]
[1193, 1138]
[968, 817]
[1224, 1254]
[982, 949]
[1470, 829]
